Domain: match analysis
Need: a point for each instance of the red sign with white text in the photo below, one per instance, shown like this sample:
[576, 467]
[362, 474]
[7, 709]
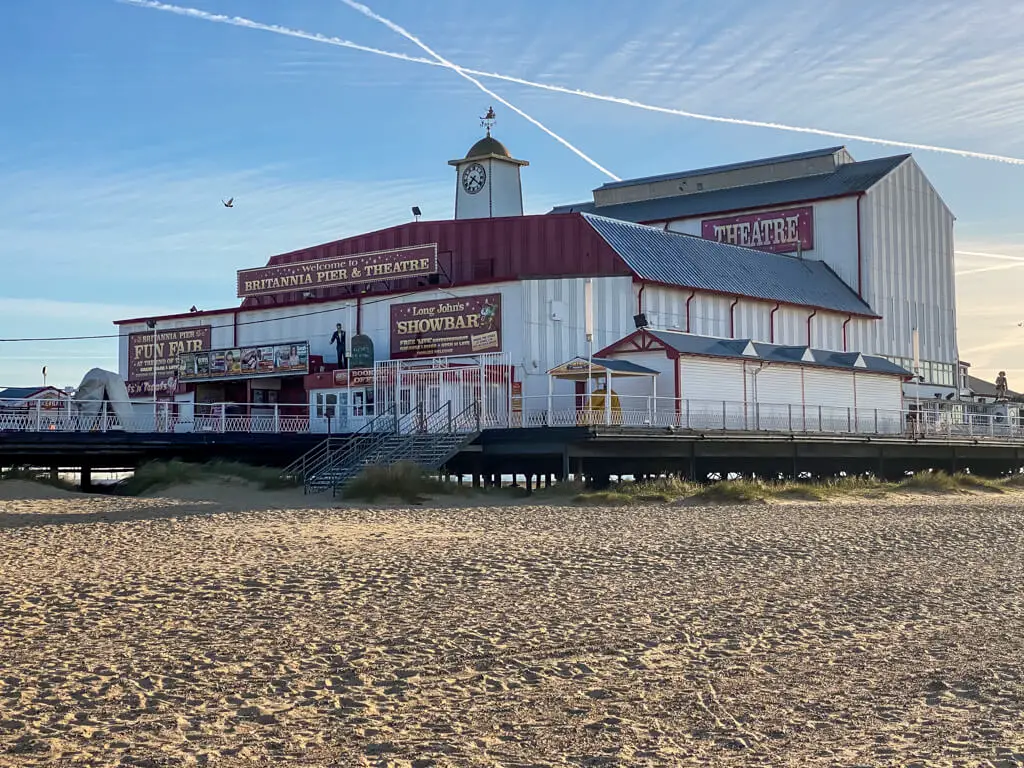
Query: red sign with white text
[775, 231]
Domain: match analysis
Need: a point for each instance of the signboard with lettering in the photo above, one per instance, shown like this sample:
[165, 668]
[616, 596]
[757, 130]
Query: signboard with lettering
[394, 264]
[776, 231]
[355, 377]
[467, 325]
[361, 355]
[170, 344]
[144, 388]
[245, 362]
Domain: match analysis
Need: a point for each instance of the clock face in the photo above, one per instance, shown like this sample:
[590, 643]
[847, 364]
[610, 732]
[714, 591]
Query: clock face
[474, 178]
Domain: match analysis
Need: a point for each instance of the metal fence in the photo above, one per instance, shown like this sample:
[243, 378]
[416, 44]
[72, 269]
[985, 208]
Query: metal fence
[630, 412]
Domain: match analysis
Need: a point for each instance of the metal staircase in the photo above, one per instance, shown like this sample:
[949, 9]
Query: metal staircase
[426, 440]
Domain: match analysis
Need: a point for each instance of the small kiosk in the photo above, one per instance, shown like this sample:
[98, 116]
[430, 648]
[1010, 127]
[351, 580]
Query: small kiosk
[601, 404]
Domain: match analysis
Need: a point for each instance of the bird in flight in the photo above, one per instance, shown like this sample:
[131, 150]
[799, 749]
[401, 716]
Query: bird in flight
[229, 203]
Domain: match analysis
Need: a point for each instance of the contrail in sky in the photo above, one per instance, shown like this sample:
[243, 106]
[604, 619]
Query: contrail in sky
[460, 71]
[1000, 268]
[1002, 256]
[240, 21]
[1015, 262]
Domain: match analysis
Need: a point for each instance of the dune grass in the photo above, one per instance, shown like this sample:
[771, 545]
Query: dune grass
[159, 475]
[404, 480]
[40, 476]
[746, 491]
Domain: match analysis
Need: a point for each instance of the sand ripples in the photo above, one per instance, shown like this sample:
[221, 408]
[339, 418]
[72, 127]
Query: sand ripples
[154, 633]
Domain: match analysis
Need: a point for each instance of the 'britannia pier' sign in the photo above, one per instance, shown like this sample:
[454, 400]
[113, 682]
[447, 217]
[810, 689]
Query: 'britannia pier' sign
[395, 264]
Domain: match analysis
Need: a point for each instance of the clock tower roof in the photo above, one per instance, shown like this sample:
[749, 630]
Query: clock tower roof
[488, 148]
[488, 145]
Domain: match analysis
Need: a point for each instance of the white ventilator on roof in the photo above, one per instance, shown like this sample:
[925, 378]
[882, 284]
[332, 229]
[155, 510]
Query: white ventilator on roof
[98, 387]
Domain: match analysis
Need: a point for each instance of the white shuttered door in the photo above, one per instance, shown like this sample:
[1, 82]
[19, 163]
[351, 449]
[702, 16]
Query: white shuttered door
[879, 399]
[828, 396]
[778, 397]
[713, 391]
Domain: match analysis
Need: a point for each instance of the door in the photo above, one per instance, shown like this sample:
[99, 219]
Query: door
[186, 412]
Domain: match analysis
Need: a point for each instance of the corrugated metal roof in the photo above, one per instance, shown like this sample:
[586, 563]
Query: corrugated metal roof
[692, 262]
[19, 393]
[728, 167]
[847, 179]
[710, 346]
[624, 366]
[599, 364]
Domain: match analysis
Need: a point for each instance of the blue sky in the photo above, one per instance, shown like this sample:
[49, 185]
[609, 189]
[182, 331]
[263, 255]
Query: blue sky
[124, 127]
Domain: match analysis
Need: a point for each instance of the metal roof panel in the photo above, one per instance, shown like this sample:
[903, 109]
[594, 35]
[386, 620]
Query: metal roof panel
[693, 262]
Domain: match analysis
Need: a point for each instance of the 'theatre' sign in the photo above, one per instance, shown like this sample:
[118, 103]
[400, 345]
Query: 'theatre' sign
[395, 264]
[169, 344]
[775, 231]
[467, 325]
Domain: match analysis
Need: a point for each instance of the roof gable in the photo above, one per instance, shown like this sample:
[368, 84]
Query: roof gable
[710, 346]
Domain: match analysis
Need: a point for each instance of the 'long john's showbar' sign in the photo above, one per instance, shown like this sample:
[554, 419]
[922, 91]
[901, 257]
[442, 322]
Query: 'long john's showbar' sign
[394, 264]
[775, 231]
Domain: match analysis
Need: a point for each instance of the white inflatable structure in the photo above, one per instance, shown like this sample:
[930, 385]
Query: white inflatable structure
[103, 391]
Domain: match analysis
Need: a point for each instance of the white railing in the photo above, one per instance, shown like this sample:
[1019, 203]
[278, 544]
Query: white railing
[633, 412]
[727, 416]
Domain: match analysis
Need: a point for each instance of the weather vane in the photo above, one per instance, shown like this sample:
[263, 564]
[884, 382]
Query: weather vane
[488, 120]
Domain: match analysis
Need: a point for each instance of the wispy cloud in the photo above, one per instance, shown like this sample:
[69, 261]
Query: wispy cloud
[163, 226]
[778, 45]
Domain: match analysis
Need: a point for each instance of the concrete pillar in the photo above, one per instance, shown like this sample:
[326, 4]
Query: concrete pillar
[86, 483]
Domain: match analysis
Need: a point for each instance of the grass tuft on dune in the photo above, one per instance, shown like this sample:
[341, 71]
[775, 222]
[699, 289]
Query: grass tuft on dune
[160, 475]
[403, 480]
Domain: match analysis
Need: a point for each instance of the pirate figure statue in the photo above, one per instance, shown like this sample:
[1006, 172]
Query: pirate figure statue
[1001, 385]
[338, 340]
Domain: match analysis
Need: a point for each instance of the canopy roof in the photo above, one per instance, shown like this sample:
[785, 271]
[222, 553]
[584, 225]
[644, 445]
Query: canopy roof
[580, 369]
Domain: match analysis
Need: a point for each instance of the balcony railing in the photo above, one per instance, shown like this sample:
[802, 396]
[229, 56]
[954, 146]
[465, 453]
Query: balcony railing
[534, 412]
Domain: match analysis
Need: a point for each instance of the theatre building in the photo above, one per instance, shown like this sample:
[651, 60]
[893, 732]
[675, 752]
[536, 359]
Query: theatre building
[783, 293]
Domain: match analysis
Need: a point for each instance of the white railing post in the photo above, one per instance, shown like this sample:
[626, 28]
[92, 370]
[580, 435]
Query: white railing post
[39, 415]
[790, 417]
[105, 417]
[725, 416]
[277, 418]
[223, 417]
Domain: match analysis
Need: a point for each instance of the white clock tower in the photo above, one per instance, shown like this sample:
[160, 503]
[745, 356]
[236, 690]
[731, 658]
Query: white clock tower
[487, 182]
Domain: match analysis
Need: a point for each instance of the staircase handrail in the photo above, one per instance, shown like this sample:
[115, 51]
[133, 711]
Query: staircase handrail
[322, 456]
[468, 417]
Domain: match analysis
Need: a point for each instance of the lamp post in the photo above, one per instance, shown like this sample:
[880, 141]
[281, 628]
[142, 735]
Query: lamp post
[152, 359]
[588, 323]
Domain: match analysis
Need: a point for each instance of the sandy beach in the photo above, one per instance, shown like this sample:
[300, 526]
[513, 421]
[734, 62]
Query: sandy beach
[255, 630]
